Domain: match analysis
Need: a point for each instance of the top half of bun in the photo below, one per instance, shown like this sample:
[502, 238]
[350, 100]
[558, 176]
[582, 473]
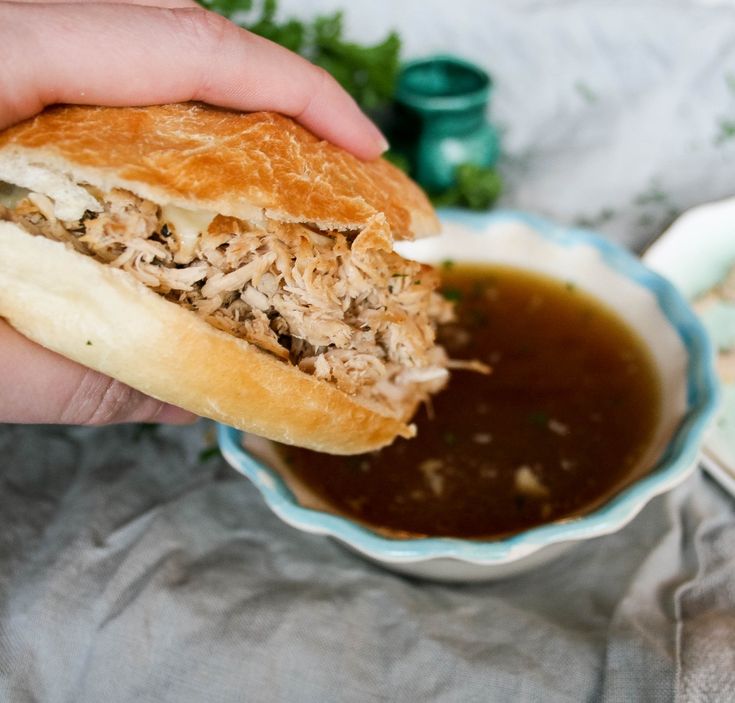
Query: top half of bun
[241, 165]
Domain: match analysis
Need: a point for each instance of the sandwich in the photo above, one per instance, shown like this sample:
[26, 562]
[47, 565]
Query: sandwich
[232, 264]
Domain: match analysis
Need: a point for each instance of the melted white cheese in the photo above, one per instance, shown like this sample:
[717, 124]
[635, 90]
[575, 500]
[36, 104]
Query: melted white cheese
[186, 227]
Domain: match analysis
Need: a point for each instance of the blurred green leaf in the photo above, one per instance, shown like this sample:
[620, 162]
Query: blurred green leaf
[289, 34]
[227, 7]
[476, 187]
[366, 72]
[727, 131]
[399, 160]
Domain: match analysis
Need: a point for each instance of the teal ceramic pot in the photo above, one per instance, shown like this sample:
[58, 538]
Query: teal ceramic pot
[441, 106]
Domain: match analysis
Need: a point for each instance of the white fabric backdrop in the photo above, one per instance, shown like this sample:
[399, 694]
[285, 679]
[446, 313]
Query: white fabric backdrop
[611, 111]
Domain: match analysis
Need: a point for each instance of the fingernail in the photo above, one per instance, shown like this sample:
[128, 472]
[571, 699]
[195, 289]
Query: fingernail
[379, 138]
[382, 142]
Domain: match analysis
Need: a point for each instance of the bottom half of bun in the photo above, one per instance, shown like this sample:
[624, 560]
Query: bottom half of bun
[103, 318]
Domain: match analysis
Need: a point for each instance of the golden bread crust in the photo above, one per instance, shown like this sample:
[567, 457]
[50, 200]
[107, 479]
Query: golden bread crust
[117, 326]
[238, 164]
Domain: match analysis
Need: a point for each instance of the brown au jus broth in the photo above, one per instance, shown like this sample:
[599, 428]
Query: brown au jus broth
[570, 406]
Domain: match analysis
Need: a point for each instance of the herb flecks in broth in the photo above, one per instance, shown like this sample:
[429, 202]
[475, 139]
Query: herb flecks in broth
[566, 414]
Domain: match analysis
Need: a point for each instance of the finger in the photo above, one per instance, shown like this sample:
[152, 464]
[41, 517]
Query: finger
[39, 386]
[151, 3]
[113, 54]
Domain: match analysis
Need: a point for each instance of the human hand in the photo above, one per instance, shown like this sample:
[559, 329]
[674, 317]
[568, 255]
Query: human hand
[142, 53]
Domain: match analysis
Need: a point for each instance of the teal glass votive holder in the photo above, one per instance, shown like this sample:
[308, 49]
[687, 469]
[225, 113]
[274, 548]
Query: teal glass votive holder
[441, 119]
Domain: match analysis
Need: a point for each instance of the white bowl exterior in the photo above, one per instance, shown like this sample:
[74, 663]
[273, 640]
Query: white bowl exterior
[459, 571]
[698, 250]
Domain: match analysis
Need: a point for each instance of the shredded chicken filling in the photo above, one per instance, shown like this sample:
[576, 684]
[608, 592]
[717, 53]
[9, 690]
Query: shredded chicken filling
[341, 306]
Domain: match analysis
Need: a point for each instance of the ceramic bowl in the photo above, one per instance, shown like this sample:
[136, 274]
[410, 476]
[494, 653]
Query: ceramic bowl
[653, 307]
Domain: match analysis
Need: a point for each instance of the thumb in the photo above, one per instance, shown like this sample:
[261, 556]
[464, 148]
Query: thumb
[39, 386]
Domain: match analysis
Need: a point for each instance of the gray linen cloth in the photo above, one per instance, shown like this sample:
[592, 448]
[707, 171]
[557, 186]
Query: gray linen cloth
[131, 569]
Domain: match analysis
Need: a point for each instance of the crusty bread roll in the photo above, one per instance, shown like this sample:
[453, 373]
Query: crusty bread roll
[232, 264]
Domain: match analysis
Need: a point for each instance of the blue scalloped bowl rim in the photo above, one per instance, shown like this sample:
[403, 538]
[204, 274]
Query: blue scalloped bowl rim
[676, 463]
